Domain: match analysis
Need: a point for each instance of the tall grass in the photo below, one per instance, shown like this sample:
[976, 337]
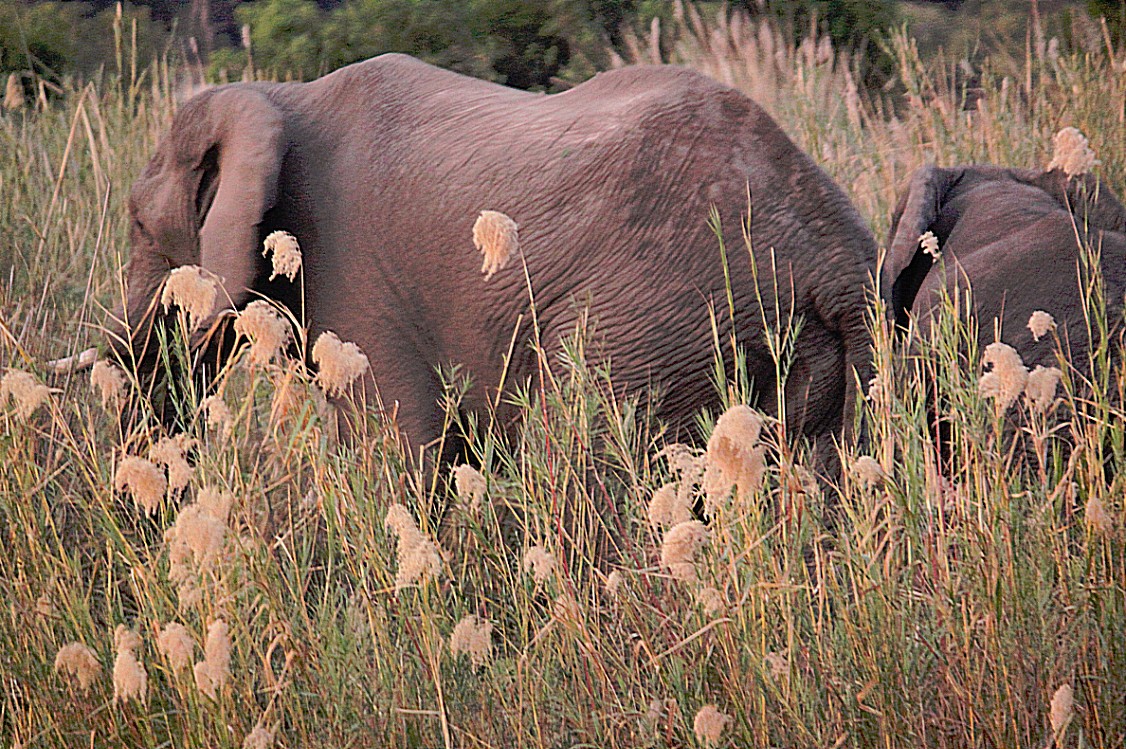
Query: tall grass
[938, 606]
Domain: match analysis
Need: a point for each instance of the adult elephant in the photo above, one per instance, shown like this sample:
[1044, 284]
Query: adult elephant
[1017, 237]
[381, 168]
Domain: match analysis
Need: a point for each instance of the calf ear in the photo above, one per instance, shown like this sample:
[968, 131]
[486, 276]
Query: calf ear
[1093, 203]
[916, 211]
[239, 183]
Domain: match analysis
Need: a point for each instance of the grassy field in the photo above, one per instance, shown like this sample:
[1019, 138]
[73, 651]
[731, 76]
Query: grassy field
[314, 602]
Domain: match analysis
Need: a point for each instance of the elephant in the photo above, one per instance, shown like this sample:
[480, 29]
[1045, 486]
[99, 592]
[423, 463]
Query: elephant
[380, 169]
[1015, 236]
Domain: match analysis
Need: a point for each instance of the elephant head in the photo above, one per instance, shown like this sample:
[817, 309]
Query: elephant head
[1016, 238]
[200, 201]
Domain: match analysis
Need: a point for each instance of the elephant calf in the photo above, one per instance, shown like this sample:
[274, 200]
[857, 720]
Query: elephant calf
[381, 168]
[1016, 237]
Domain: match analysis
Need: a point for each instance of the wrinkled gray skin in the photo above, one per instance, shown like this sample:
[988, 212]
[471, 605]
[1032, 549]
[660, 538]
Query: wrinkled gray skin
[1014, 236]
[381, 168]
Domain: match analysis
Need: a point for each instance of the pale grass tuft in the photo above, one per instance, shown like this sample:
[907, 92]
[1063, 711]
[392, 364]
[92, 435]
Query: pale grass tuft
[109, 382]
[259, 738]
[419, 558]
[734, 457]
[668, 507]
[143, 480]
[470, 485]
[678, 550]
[286, 259]
[613, 583]
[24, 391]
[339, 363]
[1098, 519]
[929, 243]
[776, 665]
[195, 541]
[1062, 709]
[45, 607]
[213, 671]
[266, 329]
[539, 562]
[867, 471]
[13, 93]
[1009, 376]
[879, 389]
[193, 290]
[710, 724]
[496, 237]
[79, 661]
[473, 636]
[169, 452]
[687, 465]
[219, 415]
[1041, 323]
[130, 682]
[176, 645]
[565, 609]
[711, 601]
[1071, 153]
[1041, 388]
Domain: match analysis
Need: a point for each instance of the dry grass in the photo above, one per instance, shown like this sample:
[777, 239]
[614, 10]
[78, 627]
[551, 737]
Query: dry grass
[938, 611]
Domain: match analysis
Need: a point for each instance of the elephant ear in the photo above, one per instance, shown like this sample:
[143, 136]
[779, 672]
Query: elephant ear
[1092, 202]
[240, 165]
[918, 208]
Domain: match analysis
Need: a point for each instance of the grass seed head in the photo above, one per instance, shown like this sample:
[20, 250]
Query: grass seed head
[1006, 381]
[219, 415]
[473, 637]
[24, 391]
[929, 243]
[1041, 323]
[734, 457]
[130, 681]
[539, 562]
[268, 331]
[678, 550]
[143, 480]
[193, 290]
[711, 601]
[212, 672]
[1097, 518]
[867, 471]
[776, 665]
[176, 645]
[613, 584]
[496, 237]
[1041, 387]
[1071, 153]
[710, 724]
[259, 738]
[470, 485]
[109, 382]
[339, 363]
[79, 661]
[13, 93]
[668, 507]
[1061, 709]
[286, 258]
[169, 451]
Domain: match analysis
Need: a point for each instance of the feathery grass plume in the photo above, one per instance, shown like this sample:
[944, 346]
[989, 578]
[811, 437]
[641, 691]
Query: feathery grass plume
[259, 738]
[169, 451]
[929, 243]
[565, 609]
[338, 363]
[175, 643]
[1071, 153]
[109, 382]
[776, 665]
[496, 237]
[212, 672]
[473, 636]
[193, 290]
[24, 391]
[418, 556]
[79, 661]
[1061, 710]
[687, 465]
[879, 389]
[1098, 519]
[195, 541]
[734, 457]
[286, 260]
[143, 480]
[130, 682]
[470, 485]
[710, 724]
[267, 331]
[1041, 388]
[867, 471]
[13, 93]
[711, 601]
[678, 550]
[539, 562]
[219, 415]
[667, 508]
[1041, 323]
[45, 607]
[1006, 381]
[613, 584]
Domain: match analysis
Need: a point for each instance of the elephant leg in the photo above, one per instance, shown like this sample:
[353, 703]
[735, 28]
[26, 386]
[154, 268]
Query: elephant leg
[816, 387]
